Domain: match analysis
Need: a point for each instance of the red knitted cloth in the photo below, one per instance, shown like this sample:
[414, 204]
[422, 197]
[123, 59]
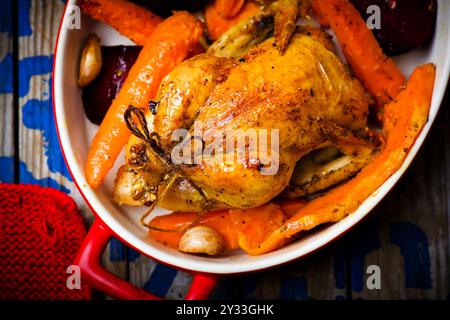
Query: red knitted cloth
[41, 231]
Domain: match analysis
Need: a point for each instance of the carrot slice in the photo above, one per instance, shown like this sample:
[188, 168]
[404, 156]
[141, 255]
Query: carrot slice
[404, 119]
[129, 19]
[217, 25]
[291, 206]
[221, 221]
[229, 8]
[170, 44]
[178, 222]
[254, 225]
[237, 7]
[376, 71]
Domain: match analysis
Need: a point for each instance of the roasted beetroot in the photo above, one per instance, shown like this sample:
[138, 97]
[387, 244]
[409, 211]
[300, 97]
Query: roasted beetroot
[405, 24]
[98, 96]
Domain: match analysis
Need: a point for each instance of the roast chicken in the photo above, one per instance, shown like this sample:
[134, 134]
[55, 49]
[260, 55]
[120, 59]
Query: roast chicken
[305, 95]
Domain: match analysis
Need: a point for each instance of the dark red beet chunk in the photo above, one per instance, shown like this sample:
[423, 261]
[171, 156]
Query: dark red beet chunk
[98, 96]
[405, 24]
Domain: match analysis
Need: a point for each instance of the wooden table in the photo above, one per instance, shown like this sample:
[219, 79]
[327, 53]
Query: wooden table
[407, 235]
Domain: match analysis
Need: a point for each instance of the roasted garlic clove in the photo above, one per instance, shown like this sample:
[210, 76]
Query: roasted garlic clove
[91, 61]
[202, 239]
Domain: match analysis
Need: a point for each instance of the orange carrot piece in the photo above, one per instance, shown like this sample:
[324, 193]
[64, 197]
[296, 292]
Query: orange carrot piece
[129, 19]
[403, 121]
[374, 69]
[217, 25]
[170, 44]
[290, 207]
[229, 8]
[218, 220]
[237, 7]
[255, 225]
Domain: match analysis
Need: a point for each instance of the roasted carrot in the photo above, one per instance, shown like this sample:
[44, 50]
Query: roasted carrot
[373, 68]
[178, 222]
[221, 221]
[229, 8]
[217, 25]
[170, 44]
[129, 19]
[255, 225]
[291, 206]
[403, 121]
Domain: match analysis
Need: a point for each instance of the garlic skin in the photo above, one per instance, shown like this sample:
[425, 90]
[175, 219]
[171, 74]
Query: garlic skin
[202, 239]
[91, 61]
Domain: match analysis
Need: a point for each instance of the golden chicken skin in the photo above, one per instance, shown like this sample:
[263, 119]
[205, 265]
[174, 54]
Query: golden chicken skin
[304, 100]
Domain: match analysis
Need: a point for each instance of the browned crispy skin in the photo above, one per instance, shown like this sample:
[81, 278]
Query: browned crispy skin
[307, 94]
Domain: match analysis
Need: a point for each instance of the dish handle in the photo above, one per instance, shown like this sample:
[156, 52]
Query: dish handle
[95, 275]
